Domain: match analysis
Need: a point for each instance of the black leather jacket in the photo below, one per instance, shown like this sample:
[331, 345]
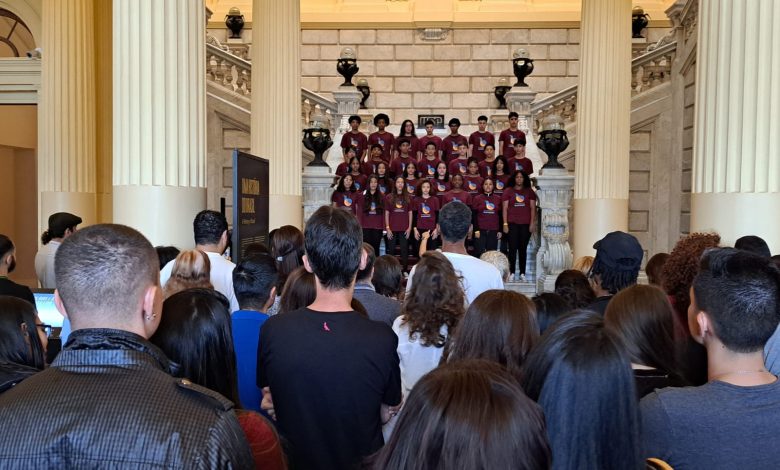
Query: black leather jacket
[109, 401]
[11, 374]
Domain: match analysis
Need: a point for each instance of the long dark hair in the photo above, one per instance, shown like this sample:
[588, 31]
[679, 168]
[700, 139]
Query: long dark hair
[446, 173]
[376, 198]
[502, 159]
[595, 423]
[196, 332]
[287, 250]
[435, 300]
[341, 187]
[299, 291]
[575, 288]
[14, 346]
[643, 317]
[526, 179]
[401, 132]
[550, 307]
[469, 414]
[404, 196]
[499, 326]
[387, 276]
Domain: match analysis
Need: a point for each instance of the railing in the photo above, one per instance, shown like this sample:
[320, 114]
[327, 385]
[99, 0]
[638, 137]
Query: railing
[648, 70]
[235, 74]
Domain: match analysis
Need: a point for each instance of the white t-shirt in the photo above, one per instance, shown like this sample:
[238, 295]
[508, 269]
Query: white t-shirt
[44, 265]
[478, 276]
[221, 277]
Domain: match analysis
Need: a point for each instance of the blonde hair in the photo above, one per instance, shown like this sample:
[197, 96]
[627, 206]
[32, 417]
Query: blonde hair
[583, 264]
[191, 269]
[499, 260]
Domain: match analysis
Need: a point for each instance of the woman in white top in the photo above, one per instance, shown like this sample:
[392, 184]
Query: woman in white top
[430, 312]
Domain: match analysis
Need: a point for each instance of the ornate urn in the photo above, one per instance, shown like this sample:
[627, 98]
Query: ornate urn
[639, 21]
[522, 66]
[346, 65]
[234, 21]
[500, 92]
[552, 140]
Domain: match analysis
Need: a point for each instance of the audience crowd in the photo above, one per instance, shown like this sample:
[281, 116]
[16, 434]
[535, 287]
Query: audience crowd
[314, 352]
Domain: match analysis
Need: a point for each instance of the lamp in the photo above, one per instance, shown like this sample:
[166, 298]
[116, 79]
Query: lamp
[500, 92]
[346, 65]
[362, 85]
[552, 140]
[522, 66]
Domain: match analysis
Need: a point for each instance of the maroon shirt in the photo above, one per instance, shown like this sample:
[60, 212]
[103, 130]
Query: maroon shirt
[359, 182]
[472, 184]
[347, 200]
[342, 169]
[488, 209]
[519, 208]
[441, 187]
[486, 168]
[426, 212]
[369, 167]
[384, 186]
[357, 140]
[524, 164]
[398, 165]
[461, 196]
[386, 140]
[508, 137]
[414, 144]
[399, 213]
[449, 146]
[411, 185]
[458, 167]
[479, 140]
[371, 216]
[422, 142]
[500, 184]
[427, 167]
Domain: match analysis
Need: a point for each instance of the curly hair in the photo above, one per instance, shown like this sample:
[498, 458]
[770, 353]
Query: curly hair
[681, 267]
[436, 299]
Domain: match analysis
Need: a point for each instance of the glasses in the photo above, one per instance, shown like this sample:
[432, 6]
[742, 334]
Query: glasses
[47, 329]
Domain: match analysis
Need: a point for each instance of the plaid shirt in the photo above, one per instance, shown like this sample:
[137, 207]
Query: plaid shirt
[109, 401]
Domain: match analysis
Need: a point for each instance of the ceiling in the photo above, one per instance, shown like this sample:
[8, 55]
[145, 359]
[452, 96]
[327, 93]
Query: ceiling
[431, 13]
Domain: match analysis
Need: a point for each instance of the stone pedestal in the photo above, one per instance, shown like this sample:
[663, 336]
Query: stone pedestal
[348, 103]
[317, 189]
[555, 191]
[519, 100]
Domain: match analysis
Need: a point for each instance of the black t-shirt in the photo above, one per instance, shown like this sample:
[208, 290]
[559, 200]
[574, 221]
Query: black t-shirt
[9, 287]
[329, 373]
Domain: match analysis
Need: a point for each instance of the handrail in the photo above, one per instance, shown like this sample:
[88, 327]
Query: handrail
[659, 50]
[314, 98]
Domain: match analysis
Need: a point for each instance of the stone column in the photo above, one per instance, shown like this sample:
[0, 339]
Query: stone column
[554, 193]
[736, 172]
[276, 104]
[66, 118]
[603, 123]
[519, 99]
[348, 103]
[159, 97]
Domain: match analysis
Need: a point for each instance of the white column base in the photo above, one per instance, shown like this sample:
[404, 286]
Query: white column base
[81, 204]
[285, 209]
[733, 215]
[164, 214]
[317, 189]
[594, 218]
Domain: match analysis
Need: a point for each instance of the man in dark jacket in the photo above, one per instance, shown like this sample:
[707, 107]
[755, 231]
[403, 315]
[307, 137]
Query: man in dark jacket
[109, 398]
[379, 307]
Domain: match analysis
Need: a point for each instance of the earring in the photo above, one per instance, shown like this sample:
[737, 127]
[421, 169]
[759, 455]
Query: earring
[151, 317]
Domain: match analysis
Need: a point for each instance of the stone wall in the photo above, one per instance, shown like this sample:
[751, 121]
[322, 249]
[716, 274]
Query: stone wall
[454, 76]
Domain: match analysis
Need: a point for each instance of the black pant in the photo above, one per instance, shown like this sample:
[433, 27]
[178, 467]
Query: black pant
[373, 236]
[487, 241]
[400, 238]
[519, 235]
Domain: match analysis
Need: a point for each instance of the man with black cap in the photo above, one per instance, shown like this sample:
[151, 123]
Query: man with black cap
[616, 266]
[61, 226]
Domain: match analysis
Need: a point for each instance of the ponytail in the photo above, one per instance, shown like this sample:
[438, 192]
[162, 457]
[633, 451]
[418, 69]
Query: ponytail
[46, 237]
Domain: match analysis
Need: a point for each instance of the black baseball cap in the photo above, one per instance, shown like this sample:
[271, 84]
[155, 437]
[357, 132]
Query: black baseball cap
[618, 251]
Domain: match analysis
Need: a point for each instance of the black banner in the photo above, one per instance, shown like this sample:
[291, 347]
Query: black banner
[250, 202]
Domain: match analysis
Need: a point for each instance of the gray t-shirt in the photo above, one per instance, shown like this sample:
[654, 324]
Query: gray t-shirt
[715, 426]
